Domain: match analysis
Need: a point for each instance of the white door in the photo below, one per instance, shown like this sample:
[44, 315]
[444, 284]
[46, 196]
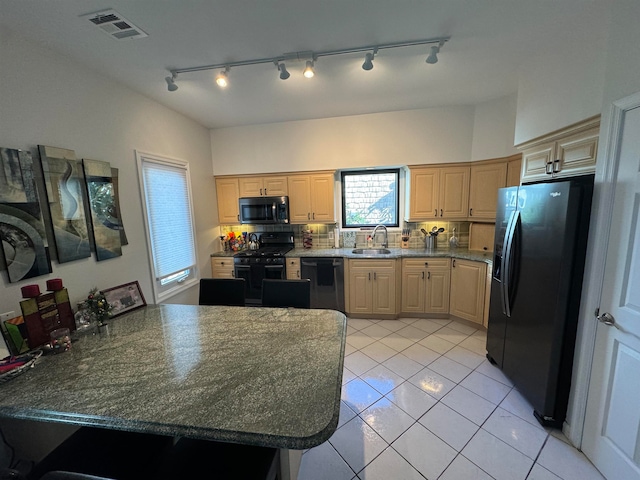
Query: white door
[612, 426]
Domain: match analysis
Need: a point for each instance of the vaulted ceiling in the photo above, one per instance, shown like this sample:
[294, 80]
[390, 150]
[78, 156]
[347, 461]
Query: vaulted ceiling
[490, 42]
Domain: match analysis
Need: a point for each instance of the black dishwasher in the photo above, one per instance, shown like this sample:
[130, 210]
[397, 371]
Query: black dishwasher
[327, 281]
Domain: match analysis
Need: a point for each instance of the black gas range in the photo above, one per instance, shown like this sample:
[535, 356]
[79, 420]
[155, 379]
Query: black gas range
[267, 261]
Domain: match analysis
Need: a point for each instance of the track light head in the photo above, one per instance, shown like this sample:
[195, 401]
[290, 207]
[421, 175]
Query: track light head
[308, 70]
[221, 79]
[171, 82]
[433, 56]
[284, 74]
[368, 62]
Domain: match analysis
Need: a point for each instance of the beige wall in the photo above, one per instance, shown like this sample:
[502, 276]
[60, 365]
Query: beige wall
[47, 99]
[410, 137]
[494, 128]
[560, 87]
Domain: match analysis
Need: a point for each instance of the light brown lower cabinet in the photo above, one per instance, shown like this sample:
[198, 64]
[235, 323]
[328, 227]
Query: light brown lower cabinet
[468, 292]
[222, 267]
[293, 268]
[425, 285]
[372, 287]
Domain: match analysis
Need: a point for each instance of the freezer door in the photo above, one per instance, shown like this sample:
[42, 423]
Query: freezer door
[507, 203]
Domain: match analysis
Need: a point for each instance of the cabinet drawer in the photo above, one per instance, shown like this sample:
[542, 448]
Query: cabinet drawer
[427, 262]
[373, 264]
[222, 262]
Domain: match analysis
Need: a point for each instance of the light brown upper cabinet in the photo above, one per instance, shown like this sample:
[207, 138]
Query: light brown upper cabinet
[564, 153]
[227, 193]
[311, 198]
[514, 170]
[486, 179]
[439, 192]
[263, 186]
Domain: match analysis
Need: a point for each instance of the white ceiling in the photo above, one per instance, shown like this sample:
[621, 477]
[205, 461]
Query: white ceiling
[490, 41]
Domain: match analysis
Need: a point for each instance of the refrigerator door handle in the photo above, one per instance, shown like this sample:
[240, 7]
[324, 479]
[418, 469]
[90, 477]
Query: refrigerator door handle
[506, 284]
[503, 270]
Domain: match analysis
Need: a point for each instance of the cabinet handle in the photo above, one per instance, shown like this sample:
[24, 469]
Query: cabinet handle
[440, 212]
[233, 273]
[471, 212]
[314, 215]
[222, 263]
[308, 216]
[265, 192]
[374, 275]
[426, 264]
[298, 273]
[548, 168]
[260, 192]
[369, 276]
[556, 166]
[454, 263]
[436, 212]
[423, 275]
[238, 217]
[429, 276]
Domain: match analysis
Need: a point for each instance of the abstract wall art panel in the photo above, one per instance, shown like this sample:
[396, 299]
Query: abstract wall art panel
[102, 206]
[64, 184]
[116, 186]
[24, 242]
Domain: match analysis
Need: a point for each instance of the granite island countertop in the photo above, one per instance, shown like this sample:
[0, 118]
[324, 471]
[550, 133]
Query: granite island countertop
[258, 376]
[464, 253]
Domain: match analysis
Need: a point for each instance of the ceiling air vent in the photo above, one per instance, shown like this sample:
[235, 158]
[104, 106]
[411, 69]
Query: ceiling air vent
[115, 25]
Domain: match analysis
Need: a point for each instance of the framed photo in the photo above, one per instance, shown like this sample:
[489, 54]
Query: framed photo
[124, 298]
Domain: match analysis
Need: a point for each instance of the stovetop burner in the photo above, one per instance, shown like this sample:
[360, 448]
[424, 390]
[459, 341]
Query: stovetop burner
[265, 252]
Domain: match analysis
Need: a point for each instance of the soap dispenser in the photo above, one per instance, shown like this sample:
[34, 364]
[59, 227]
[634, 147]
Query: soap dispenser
[453, 241]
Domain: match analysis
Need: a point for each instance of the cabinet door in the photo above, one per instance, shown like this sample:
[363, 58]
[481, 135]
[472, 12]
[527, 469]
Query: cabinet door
[384, 291]
[438, 288]
[454, 192]
[483, 190]
[293, 268]
[423, 199]
[514, 169]
[360, 291]
[227, 194]
[299, 199]
[250, 186]
[413, 290]
[468, 289]
[222, 268]
[536, 161]
[322, 209]
[577, 153]
[275, 186]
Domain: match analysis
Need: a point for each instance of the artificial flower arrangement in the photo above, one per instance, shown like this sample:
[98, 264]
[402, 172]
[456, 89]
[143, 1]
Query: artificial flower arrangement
[98, 306]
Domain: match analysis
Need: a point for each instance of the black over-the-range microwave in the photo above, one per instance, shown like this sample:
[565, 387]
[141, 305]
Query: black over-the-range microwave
[264, 210]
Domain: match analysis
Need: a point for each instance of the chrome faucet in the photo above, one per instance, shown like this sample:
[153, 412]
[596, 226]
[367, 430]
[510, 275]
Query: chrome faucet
[385, 243]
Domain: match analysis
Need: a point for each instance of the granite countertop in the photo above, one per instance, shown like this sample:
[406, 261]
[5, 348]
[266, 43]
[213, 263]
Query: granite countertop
[463, 253]
[258, 376]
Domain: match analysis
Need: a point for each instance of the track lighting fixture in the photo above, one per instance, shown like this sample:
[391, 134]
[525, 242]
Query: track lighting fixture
[310, 58]
[433, 56]
[221, 78]
[308, 70]
[368, 59]
[171, 82]
[284, 74]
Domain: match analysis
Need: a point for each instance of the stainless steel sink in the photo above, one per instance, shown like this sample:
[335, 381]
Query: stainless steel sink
[371, 251]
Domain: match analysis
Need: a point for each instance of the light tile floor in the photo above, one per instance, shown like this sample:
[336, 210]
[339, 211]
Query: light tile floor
[420, 400]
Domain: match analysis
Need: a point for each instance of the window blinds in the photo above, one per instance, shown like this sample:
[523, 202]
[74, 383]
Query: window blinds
[170, 223]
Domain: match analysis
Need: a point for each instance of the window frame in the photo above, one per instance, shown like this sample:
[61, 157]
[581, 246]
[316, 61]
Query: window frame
[181, 283]
[369, 171]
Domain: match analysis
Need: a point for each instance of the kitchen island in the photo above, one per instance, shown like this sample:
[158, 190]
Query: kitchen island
[258, 376]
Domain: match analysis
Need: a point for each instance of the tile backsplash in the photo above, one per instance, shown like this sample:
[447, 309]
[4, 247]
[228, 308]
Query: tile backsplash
[323, 234]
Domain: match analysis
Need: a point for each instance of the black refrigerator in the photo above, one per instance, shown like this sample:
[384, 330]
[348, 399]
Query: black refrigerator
[538, 265]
